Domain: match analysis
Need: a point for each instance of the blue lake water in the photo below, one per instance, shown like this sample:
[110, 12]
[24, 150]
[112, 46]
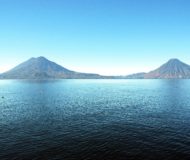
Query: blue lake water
[95, 119]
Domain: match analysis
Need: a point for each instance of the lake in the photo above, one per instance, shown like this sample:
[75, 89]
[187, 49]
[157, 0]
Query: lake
[95, 119]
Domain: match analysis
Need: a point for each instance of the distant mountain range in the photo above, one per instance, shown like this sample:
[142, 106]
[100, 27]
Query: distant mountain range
[42, 68]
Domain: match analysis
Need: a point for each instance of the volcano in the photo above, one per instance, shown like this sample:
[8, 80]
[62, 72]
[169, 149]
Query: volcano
[173, 69]
[42, 68]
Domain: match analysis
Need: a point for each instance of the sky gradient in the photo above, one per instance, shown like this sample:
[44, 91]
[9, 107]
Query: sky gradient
[109, 37]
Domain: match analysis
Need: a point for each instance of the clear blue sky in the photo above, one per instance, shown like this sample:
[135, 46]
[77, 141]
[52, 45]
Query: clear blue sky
[101, 36]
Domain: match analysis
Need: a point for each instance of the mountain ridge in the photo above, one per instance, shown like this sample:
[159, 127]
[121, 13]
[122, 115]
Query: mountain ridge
[42, 68]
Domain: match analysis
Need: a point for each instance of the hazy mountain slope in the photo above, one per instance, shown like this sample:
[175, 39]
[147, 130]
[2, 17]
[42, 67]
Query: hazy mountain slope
[136, 76]
[37, 68]
[174, 68]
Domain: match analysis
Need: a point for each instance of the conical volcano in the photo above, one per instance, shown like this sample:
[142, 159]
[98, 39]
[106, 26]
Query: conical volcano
[173, 69]
[42, 68]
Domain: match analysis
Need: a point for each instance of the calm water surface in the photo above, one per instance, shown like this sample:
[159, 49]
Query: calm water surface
[95, 119]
